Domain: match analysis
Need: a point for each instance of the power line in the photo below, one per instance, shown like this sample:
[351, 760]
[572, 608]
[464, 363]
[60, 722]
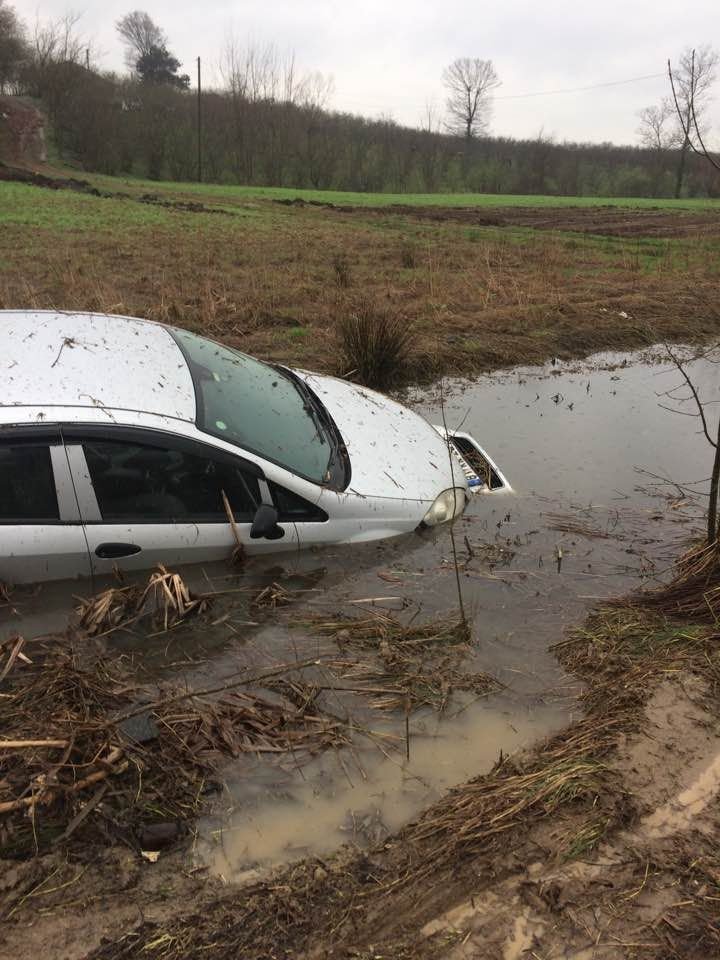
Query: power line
[594, 86]
[521, 96]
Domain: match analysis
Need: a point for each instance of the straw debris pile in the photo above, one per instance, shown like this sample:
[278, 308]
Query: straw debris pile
[694, 591]
[165, 597]
[86, 748]
[411, 666]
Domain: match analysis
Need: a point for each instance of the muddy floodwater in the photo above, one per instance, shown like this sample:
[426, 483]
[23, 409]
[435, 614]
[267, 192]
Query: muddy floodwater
[591, 454]
[587, 448]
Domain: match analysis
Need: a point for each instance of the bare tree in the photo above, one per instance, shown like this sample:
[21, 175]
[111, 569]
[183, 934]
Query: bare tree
[58, 54]
[657, 127]
[255, 73]
[691, 81]
[141, 35]
[469, 83]
[659, 133]
[315, 90]
[263, 74]
[58, 41]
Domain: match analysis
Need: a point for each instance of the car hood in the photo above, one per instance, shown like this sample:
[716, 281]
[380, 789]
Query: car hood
[394, 452]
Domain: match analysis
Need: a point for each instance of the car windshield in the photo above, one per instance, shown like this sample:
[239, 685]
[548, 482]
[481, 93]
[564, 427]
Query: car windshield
[257, 407]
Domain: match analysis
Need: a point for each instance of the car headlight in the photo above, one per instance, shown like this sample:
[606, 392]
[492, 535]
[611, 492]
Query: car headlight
[447, 506]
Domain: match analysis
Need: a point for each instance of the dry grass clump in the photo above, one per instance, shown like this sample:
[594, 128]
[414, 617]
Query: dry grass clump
[372, 633]
[693, 593]
[375, 345]
[341, 270]
[272, 597]
[408, 256]
[166, 598]
[563, 772]
[567, 523]
[402, 682]
[412, 665]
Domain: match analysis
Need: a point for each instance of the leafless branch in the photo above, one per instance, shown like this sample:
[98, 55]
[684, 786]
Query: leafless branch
[701, 412]
[689, 121]
[704, 150]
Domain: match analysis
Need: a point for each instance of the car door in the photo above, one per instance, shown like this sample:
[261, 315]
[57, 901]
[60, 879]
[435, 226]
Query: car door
[41, 534]
[148, 497]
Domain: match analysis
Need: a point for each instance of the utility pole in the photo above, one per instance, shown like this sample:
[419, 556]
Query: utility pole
[199, 123]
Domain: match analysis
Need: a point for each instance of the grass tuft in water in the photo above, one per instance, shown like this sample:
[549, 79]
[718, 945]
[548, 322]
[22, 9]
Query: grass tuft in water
[375, 345]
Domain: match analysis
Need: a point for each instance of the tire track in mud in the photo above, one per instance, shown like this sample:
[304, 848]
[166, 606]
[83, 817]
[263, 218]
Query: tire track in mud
[615, 903]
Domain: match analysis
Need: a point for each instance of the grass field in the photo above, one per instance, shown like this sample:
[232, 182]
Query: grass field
[540, 280]
[339, 197]
[526, 284]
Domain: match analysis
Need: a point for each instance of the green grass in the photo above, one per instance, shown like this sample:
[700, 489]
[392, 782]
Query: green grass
[66, 211]
[24, 205]
[239, 193]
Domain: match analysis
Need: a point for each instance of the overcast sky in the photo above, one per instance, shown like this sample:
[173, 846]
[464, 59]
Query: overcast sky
[387, 56]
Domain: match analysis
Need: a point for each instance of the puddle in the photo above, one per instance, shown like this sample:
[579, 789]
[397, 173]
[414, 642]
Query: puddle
[583, 446]
[361, 800]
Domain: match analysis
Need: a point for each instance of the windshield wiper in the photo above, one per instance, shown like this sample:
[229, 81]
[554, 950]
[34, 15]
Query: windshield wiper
[308, 399]
[338, 467]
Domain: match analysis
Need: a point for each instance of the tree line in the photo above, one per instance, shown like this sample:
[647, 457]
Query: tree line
[270, 124]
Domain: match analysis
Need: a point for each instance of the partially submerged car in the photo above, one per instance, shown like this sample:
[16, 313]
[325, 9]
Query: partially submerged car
[126, 443]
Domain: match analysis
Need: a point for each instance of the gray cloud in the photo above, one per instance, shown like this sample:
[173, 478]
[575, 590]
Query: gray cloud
[387, 58]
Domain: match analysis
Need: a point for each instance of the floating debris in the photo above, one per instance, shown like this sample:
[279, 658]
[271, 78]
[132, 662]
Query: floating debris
[166, 598]
[414, 665]
[272, 596]
[67, 733]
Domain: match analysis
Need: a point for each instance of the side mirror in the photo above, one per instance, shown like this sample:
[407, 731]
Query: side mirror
[265, 525]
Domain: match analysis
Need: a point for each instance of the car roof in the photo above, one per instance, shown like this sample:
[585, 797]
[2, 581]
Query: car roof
[81, 361]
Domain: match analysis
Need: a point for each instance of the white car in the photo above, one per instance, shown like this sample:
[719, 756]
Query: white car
[121, 441]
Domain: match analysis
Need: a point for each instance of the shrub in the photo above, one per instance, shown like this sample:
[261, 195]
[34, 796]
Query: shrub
[375, 345]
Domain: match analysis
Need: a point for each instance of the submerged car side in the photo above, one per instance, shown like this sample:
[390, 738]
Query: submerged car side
[125, 443]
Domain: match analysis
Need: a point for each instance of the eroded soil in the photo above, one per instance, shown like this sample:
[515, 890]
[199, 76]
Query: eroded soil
[607, 221]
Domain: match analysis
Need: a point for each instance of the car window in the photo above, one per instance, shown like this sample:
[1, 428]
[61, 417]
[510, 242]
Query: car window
[135, 482]
[291, 506]
[27, 484]
[257, 407]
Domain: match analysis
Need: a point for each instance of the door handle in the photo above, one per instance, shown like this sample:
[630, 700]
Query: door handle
[112, 551]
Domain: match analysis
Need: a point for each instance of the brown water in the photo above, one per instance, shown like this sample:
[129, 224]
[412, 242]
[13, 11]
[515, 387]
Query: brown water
[580, 444]
[574, 443]
[272, 818]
